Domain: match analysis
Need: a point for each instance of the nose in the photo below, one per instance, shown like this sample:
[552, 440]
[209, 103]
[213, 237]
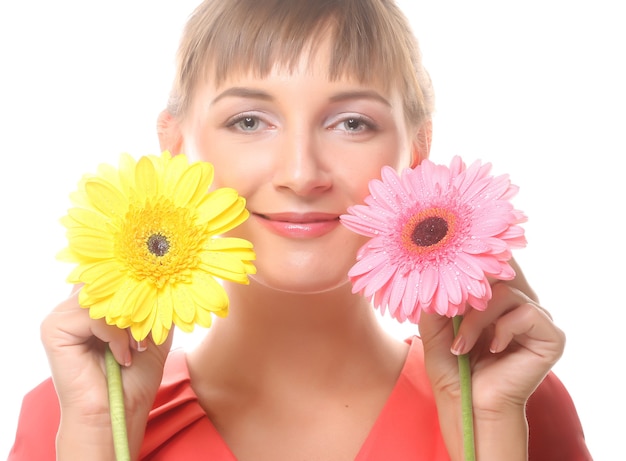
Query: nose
[301, 166]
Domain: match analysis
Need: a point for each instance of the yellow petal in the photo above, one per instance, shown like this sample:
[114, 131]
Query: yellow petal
[207, 293]
[217, 202]
[141, 330]
[127, 166]
[66, 254]
[102, 279]
[146, 180]
[92, 246]
[188, 185]
[174, 169]
[184, 307]
[119, 306]
[230, 218]
[97, 310]
[159, 332]
[165, 307]
[109, 174]
[234, 244]
[224, 266]
[84, 217]
[106, 198]
[142, 301]
[203, 317]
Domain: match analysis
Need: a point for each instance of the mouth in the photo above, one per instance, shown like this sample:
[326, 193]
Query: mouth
[299, 225]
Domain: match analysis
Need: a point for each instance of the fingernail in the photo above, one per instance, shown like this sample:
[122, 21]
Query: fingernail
[141, 346]
[493, 347]
[458, 346]
[128, 359]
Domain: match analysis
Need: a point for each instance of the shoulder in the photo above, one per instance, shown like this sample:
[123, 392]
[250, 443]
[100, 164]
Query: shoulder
[555, 430]
[175, 410]
[37, 425]
[177, 424]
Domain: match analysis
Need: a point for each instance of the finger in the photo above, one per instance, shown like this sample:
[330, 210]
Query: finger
[520, 282]
[437, 335]
[69, 324]
[526, 324]
[505, 298]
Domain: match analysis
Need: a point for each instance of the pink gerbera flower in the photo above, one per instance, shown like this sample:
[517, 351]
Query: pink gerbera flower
[437, 234]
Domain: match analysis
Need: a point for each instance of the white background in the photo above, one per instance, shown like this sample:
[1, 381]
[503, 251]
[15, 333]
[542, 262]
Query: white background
[537, 88]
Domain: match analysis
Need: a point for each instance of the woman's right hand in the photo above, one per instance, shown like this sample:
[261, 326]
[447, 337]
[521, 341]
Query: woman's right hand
[75, 346]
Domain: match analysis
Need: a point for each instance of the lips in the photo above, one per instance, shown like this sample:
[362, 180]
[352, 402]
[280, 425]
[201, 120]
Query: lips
[299, 225]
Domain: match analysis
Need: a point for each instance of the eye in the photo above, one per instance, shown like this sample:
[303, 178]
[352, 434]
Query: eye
[246, 123]
[354, 124]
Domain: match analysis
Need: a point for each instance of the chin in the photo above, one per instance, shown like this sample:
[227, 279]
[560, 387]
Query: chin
[301, 284]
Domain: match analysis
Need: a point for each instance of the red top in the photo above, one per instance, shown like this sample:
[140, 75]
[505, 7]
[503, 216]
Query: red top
[406, 429]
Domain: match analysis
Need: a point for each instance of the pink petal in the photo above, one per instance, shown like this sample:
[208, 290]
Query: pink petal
[476, 288]
[377, 278]
[475, 246]
[450, 281]
[410, 300]
[441, 301]
[365, 220]
[430, 279]
[388, 193]
[369, 261]
[397, 291]
[487, 263]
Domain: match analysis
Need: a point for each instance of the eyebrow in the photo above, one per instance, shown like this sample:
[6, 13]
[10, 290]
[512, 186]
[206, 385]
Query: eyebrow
[242, 92]
[360, 94]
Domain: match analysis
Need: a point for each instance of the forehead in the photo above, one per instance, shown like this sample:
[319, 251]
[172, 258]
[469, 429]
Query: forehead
[365, 40]
[318, 55]
[315, 62]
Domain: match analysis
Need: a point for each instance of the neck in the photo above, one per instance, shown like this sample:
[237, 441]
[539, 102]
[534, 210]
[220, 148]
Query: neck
[311, 337]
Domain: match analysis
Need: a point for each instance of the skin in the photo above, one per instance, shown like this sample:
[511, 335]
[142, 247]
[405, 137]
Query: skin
[295, 142]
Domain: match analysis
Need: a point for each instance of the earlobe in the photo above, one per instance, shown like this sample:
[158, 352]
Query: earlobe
[169, 133]
[421, 143]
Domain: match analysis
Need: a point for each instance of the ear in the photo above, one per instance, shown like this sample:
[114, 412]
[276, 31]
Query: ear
[169, 132]
[421, 144]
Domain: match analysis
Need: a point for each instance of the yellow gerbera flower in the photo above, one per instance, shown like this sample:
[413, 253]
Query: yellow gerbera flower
[145, 240]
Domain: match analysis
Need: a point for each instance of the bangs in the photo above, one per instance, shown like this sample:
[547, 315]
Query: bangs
[371, 42]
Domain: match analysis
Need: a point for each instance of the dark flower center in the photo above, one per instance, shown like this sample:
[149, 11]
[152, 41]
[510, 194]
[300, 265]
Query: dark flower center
[158, 244]
[429, 231]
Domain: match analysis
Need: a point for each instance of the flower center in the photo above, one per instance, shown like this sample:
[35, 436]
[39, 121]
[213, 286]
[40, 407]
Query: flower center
[429, 231]
[158, 244]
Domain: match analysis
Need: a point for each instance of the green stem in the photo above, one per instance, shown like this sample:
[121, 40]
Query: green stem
[465, 376]
[116, 406]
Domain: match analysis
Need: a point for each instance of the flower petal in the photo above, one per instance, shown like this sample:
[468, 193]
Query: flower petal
[106, 198]
[445, 275]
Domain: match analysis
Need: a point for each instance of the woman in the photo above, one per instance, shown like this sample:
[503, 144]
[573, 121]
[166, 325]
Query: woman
[298, 104]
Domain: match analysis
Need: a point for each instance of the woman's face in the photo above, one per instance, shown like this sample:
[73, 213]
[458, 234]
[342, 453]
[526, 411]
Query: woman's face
[301, 149]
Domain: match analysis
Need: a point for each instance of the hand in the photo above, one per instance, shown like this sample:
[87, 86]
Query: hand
[512, 345]
[75, 345]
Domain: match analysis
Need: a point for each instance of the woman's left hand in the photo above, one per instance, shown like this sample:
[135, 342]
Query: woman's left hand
[512, 345]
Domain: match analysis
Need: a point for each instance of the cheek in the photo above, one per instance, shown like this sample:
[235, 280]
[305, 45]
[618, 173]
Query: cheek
[233, 167]
[235, 173]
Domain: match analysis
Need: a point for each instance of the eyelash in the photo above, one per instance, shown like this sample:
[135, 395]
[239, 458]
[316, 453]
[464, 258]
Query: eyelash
[236, 120]
[364, 123]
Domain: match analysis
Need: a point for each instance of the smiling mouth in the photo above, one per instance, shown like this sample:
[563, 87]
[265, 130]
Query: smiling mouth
[299, 218]
[299, 225]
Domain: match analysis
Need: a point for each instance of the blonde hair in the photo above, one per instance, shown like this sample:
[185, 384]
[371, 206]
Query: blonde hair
[372, 41]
